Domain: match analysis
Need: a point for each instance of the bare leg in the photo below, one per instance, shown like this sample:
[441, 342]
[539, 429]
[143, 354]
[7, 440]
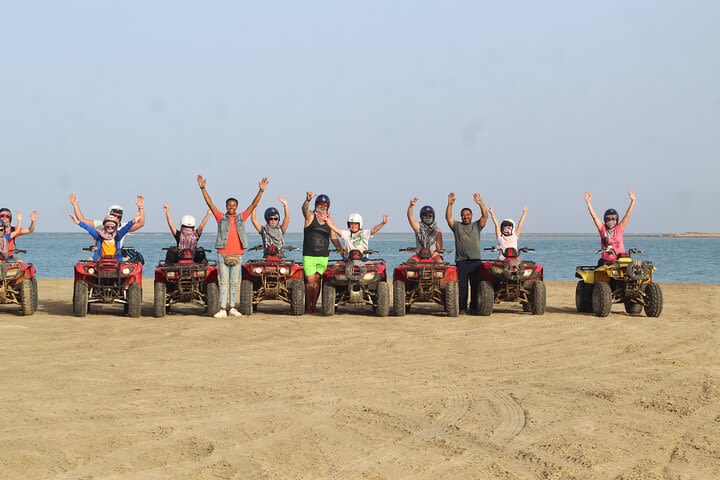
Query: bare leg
[312, 291]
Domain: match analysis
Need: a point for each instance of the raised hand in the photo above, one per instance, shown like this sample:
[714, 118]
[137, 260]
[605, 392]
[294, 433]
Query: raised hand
[201, 181]
[18, 215]
[140, 202]
[451, 198]
[74, 220]
[525, 209]
[73, 198]
[282, 200]
[386, 219]
[263, 184]
[631, 194]
[477, 198]
[490, 209]
[309, 196]
[588, 197]
[165, 206]
[413, 201]
[33, 215]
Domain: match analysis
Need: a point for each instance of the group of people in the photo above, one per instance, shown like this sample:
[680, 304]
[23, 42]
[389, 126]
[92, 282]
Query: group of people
[319, 232]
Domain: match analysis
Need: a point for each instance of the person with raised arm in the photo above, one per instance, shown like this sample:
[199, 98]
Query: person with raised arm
[273, 232]
[427, 234]
[188, 236]
[506, 233]
[611, 231]
[231, 243]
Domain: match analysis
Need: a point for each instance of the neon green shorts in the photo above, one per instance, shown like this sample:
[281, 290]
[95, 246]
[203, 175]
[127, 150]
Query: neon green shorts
[313, 265]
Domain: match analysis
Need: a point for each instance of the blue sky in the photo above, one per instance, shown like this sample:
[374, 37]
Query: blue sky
[370, 102]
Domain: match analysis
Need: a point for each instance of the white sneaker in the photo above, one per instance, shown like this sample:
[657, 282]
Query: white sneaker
[234, 313]
[221, 314]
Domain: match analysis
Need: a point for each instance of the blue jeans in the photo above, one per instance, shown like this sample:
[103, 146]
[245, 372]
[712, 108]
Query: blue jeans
[227, 280]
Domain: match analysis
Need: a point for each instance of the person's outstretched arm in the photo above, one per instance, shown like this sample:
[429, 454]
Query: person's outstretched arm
[262, 185]
[449, 209]
[256, 224]
[307, 213]
[168, 217]
[31, 229]
[520, 223]
[380, 225]
[201, 183]
[205, 219]
[439, 245]
[625, 219]
[483, 210]
[588, 199]
[139, 220]
[494, 219]
[333, 227]
[90, 229]
[410, 216]
[76, 208]
[286, 214]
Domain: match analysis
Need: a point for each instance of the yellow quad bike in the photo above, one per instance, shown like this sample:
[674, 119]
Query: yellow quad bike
[625, 281]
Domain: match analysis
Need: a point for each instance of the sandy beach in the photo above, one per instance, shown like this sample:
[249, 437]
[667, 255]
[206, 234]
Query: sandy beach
[509, 396]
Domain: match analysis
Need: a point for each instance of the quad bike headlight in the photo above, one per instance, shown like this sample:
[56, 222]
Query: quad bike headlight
[284, 271]
[368, 276]
[439, 274]
[412, 274]
[528, 272]
[200, 273]
[497, 270]
[341, 277]
[172, 275]
[126, 270]
[257, 270]
[90, 270]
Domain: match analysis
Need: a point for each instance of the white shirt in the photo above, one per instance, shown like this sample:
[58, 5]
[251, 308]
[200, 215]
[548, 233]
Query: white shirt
[359, 241]
[507, 242]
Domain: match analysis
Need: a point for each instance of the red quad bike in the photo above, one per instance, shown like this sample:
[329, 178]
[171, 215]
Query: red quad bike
[425, 280]
[107, 281]
[511, 280]
[186, 276]
[18, 284]
[272, 278]
[355, 280]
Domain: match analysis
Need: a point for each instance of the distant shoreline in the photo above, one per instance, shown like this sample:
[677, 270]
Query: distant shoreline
[691, 234]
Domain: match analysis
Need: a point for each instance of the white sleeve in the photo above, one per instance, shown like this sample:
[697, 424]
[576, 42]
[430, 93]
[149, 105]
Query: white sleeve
[98, 224]
[367, 234]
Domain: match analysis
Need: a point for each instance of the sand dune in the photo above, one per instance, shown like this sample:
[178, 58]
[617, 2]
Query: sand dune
[353, 396]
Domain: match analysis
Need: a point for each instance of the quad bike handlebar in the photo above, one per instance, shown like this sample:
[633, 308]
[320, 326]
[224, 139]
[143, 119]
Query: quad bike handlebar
[609, 248]
[414, 249]
[19, 250]
[196, 248]
[520, 250]
[288, 248]
[90, 249]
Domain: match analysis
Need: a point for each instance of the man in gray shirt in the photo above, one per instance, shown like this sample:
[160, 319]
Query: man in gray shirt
[467, 249]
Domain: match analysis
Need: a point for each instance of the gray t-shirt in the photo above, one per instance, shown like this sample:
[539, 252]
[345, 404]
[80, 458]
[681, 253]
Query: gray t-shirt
[467, 240]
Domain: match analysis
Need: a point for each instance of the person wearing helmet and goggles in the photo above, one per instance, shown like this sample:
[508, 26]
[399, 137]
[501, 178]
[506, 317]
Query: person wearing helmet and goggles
[317, 236]
[506, 233]
[8, 234]
[355, 238]
[427, 234]
[467, 249]
[115, 211]
[6, 217]
[187, 237]
[107, 238]
[611, 231]
[273, 232]
[230, 244]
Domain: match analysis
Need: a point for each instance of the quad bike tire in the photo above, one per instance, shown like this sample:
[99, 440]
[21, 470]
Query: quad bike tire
[452, 300]
[486, 299]
[212, 299]
[26, 297]
[601, 299]
[383, 300]
[297, 298]
[80, 299]
[328, 299]
[633, 308]
[159, 300]
[538, 298]
[134, 300]
[653, 300]
[583, 297]
[399, 307]
[246, 294]
[34, 294]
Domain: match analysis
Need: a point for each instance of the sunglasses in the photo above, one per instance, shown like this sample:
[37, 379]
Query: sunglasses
[611, 219]
[4, 215]
[273, 219]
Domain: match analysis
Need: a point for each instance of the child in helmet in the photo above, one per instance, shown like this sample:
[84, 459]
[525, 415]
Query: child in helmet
[115, 211]
[427, 234]
[109, 237]
[506, 233]
[272, 233]
[188, 235]
[611, 232]
[8, 235]
[6, 216]
[355, 238]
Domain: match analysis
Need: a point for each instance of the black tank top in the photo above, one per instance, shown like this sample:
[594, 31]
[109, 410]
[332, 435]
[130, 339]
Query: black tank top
[316, 239]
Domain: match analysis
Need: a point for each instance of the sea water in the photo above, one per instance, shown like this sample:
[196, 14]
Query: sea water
[678, 259]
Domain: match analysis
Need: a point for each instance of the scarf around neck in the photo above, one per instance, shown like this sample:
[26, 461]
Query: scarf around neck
[188, 238]
[273, 236]
[427, 235]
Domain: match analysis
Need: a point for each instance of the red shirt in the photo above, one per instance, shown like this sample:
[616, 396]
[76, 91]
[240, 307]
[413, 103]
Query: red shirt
[233, 245]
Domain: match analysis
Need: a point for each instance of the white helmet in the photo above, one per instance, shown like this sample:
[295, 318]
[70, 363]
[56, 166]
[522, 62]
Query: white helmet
[355, 218]
[188, 221]
[115, 210]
